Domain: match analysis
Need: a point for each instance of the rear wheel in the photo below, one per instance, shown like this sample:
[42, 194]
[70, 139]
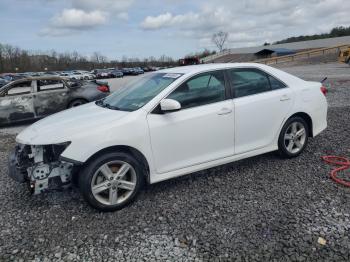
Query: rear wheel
[111, 181]
[77, 102]
[293, 137]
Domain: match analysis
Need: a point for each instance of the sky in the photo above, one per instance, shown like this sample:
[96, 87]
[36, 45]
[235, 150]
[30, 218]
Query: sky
[143, 28]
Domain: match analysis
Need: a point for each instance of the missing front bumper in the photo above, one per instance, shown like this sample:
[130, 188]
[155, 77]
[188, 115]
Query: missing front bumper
[37, 166]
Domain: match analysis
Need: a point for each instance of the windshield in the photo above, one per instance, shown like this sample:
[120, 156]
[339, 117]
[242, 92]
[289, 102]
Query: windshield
[139, 92]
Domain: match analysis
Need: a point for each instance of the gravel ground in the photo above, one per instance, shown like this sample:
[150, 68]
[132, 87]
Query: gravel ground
[259, 209]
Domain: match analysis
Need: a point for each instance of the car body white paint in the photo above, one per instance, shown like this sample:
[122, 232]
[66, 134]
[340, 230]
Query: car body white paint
[189, 140]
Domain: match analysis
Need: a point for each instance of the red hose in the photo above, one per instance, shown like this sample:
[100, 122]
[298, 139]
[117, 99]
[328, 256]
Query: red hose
[343, 164]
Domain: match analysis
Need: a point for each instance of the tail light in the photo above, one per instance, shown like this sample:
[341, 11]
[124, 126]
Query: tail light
[103, 88]
[324, 90]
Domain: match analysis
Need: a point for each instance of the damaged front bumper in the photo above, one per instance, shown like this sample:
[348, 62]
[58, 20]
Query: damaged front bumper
[40, 166]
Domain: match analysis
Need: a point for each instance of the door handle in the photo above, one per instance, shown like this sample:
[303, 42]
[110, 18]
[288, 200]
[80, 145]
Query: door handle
[284, 98]
[225, 111]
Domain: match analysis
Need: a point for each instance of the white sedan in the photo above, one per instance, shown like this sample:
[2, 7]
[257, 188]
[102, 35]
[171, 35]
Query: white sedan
[168, 124]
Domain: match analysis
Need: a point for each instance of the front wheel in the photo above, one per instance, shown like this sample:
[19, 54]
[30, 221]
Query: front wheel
[111, 181]
[293, 137]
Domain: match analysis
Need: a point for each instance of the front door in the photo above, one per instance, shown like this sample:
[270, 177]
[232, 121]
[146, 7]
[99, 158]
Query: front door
[203, 130]
[16, 103]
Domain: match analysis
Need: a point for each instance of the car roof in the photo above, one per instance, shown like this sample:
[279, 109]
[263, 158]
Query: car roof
[192, 69]
[196, 69]
[31, 78]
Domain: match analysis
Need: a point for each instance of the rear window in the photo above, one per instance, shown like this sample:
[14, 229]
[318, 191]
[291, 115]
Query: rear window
[48, 85]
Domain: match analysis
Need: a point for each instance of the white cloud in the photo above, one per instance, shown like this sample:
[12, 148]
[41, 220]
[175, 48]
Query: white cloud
[86, 15]
[156, 22]
[168, 19]
[115, 6]
[252, 22]
[79, 19]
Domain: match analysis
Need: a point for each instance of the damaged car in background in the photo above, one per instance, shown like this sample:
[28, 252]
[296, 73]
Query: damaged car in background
[36, 97]
[167, 124]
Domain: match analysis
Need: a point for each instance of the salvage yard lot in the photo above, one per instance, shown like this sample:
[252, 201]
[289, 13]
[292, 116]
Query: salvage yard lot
[262, 208]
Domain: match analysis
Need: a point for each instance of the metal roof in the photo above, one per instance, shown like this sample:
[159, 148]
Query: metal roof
[319, 43]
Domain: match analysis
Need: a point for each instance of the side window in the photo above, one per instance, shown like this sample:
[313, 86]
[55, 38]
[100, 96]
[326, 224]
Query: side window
[20, 88]
[48, 85]
[200, 90]
[247, 82]
[276, 84]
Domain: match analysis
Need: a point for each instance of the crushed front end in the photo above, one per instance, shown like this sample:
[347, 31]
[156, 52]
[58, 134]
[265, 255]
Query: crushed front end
[40, 166]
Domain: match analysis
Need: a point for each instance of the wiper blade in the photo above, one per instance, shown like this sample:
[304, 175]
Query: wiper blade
[106, 105]
[100, 103]
[111, 107]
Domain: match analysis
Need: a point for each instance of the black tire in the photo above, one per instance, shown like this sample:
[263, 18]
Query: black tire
[293, 151]
[88, 173]
[77, 102]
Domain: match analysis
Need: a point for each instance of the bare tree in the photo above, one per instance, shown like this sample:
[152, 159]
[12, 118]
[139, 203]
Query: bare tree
[219, 39]
[96, 57]
[14, 59]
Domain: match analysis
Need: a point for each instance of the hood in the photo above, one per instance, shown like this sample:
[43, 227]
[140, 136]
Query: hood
[64, 126]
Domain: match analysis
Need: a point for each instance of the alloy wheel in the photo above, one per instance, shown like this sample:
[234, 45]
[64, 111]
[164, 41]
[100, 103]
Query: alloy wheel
[113, 183]
[295, 137]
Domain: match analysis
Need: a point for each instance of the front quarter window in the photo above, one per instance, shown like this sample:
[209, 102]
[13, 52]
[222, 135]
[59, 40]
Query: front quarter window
[20, 88]
[139, 92]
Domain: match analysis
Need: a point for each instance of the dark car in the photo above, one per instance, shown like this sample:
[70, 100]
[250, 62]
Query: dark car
[147, 69]
[36, 97]
[116, 73]
[139, 70]
[130, 71]
[3, 81]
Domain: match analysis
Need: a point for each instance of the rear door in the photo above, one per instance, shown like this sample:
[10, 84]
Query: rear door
[16, 102]
[261, 104]
[51, 96]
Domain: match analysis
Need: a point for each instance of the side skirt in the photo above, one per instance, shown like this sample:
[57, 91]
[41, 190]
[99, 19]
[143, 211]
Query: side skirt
[155, 178]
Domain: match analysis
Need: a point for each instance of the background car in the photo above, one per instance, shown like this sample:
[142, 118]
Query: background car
[3, 81]
[116, 73]
[132, 71]
[85, 74]
[127, 71]
[101, 73]
[138, 70]
[37, 97]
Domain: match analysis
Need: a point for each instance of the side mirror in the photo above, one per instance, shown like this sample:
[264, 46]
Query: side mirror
[169, 105]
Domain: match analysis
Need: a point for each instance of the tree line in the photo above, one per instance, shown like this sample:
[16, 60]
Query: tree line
[335, 32]
[15, 59]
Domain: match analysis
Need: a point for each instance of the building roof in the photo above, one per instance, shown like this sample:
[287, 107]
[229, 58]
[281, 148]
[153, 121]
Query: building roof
[319, 43]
